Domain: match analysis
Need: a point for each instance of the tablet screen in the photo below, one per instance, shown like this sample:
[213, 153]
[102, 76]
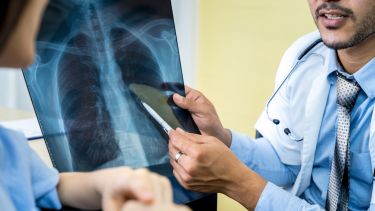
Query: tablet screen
[98, 63]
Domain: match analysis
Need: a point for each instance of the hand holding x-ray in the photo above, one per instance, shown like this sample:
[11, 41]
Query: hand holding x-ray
[203, 113]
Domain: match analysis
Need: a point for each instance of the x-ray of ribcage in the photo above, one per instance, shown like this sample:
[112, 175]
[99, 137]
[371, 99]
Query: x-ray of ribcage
[97, 60]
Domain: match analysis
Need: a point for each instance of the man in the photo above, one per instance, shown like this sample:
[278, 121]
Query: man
[317, 150]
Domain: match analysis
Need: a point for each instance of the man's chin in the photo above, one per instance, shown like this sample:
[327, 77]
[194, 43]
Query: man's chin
[334, 38]
[337, 45]
[337, 42]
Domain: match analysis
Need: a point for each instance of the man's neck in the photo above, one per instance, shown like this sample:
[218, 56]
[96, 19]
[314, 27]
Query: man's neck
[354, 58]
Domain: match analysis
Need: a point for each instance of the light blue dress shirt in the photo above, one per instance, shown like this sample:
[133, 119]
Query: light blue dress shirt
[25, 182]
[260, 156]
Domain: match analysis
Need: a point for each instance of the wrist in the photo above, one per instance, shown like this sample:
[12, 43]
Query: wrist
[245, 187]
[97, 182]
[79, 190]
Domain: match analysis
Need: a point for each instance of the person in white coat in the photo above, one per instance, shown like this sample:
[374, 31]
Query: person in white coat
[316, 148]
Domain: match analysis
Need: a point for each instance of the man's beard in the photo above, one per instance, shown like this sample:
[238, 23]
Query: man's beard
[364, 30]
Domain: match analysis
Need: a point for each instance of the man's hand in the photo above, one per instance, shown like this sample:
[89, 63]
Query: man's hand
[203, 113]
[112, 189]
[207, 165]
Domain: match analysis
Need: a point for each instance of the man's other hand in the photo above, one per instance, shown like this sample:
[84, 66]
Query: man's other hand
[205, 164]
[204, 114]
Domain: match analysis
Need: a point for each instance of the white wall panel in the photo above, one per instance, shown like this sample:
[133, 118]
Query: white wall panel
[186, 19]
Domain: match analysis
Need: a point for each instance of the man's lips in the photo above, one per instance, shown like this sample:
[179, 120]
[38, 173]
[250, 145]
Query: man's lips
[332, 18]
[332, 14]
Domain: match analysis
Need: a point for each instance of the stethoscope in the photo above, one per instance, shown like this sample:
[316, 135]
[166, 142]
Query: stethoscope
[288, 131]
[275, 121]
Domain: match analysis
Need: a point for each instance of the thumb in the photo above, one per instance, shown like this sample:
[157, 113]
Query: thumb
[186, 103]
[180, 101]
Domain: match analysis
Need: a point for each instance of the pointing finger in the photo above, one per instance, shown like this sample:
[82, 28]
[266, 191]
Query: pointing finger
[181, 143]
[191, 136]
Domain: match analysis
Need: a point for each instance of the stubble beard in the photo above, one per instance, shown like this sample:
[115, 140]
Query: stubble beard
[363, 31]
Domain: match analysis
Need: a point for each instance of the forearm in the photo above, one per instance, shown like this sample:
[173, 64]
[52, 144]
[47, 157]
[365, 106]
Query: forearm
[246, 187]
[80, 190]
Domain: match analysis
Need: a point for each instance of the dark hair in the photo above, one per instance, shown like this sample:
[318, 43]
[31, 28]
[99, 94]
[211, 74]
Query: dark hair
[10, 13]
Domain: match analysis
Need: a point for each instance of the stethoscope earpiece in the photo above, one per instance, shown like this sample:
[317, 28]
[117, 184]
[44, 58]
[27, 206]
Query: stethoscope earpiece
[276, 121]
[287, 131]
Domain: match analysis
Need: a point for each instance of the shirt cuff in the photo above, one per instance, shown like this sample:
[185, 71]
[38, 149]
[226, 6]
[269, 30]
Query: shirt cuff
[50, 201]
[241, 146]
[276, 198]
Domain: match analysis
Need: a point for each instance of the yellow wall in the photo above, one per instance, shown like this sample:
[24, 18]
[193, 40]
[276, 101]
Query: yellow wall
[241, 43]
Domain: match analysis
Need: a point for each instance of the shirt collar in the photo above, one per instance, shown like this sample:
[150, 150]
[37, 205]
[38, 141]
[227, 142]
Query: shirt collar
[365, 77]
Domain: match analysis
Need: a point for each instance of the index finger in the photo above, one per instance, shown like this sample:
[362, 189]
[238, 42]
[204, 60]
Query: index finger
[196, 138]
[181, 142]
[188, 89]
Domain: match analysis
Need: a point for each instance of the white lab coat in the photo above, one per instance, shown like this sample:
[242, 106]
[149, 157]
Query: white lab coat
[300, 106]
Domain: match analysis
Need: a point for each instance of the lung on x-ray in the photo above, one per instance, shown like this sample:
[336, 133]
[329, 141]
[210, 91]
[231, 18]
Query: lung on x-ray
[97, 63]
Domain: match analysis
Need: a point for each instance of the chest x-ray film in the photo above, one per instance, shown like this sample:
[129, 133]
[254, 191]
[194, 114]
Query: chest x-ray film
[98, 63]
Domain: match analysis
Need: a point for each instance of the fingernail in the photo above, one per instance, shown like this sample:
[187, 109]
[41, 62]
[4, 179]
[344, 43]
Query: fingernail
[180, 130]
[171, 138]
[171, 132]
[147, 195]
[178, 97]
